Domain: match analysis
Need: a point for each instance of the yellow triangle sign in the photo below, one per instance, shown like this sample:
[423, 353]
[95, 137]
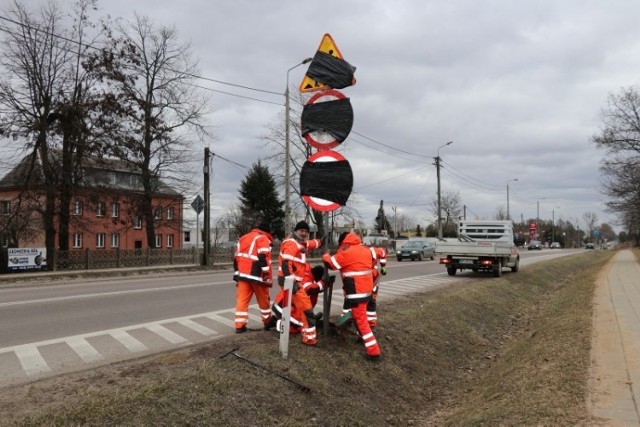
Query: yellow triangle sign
[327, 45]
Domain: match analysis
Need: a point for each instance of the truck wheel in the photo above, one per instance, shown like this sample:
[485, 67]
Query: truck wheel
[432, 257]
[498, 271]
[451, 271]
[516, 267]
[399, 259]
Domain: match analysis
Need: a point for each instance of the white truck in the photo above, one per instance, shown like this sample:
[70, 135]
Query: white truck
[480, 246]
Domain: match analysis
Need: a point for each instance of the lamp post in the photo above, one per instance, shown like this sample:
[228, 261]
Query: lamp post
[509, 180]
[437, 159]
[287, 154]
[553, 224]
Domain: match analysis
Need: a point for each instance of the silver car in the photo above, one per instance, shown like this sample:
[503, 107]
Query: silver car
[416, 250]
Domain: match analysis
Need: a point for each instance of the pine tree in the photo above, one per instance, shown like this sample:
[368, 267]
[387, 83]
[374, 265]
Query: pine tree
[259, 201]
[382, 223]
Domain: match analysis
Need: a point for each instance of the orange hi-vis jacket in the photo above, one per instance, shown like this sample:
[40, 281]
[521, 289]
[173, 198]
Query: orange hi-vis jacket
[293, 258]
[355, 263]
[253, 258]
[379, 257]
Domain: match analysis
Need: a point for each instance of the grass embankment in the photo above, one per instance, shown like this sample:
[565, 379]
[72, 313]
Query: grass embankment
[511, 351]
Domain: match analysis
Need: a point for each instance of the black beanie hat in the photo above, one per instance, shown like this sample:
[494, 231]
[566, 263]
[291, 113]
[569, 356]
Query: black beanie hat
[302, 225]
[264, 227]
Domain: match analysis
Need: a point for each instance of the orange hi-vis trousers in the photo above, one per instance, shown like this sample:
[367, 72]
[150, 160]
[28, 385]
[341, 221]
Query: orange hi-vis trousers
[244, 292]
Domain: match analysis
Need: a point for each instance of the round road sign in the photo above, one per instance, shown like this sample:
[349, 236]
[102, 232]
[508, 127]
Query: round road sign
[326, 181]
[327, 119]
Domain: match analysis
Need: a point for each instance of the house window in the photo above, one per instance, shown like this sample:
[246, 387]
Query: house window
[187, 236]
[77, 240]
[5, 207]
[158, 213]
[100, 240]
[115, 210]
[170, 212]
[169, 240]
[137, 222]
[100, 209]
[77, 208]
[158, 240]
[115, 240]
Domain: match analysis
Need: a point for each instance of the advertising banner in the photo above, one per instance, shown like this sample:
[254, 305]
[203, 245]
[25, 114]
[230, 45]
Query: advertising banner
[23, 259]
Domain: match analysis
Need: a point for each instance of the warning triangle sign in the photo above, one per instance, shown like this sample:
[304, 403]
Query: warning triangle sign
[327, 46]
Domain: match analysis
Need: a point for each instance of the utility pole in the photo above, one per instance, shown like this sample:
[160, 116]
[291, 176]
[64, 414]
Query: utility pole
[437, 159]
[207, 207]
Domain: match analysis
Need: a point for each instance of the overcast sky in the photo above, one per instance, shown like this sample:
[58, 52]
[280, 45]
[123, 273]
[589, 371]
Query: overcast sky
[518, 86]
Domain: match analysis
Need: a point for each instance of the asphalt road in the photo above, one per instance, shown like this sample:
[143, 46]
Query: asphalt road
[57, 326]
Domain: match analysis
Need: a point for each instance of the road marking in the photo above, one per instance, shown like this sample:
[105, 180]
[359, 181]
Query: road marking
[31, 360]
[217, 318]
[132, 344]
[202, 330]
[168, 335]
[83, 349]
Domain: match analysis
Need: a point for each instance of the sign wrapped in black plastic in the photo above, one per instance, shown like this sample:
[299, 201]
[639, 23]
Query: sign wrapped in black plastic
[326, 181]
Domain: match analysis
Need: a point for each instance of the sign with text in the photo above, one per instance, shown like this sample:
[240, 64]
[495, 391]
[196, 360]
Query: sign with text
[23, 259]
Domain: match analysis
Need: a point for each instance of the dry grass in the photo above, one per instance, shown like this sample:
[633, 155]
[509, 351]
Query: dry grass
[507, 351]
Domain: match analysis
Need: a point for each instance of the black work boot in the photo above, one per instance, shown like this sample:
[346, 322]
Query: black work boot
[271, 323]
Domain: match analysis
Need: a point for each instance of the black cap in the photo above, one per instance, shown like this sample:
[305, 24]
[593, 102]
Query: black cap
[264, 227]
[342, 236]
[302, 225]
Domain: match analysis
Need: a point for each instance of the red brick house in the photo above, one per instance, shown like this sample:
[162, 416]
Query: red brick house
[105, 212]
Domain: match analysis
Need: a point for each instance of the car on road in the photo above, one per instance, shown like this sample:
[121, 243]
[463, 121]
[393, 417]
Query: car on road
[416, 250]
[555, 245]
[534, 245]
[589, 246]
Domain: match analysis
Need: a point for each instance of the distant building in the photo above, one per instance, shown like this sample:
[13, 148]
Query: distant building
[105, 212]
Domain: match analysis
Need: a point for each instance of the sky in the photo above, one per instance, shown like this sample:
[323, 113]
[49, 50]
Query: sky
[519, 87]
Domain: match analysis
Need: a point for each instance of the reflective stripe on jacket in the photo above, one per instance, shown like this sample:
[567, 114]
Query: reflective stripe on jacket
[253, 257]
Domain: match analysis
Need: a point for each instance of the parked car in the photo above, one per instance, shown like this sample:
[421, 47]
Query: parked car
[535, 245]
[416, 250]
[589, 246]
[555, 245]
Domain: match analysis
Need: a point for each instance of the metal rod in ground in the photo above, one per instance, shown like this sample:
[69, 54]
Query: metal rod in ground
[326, 300]
[233, 352]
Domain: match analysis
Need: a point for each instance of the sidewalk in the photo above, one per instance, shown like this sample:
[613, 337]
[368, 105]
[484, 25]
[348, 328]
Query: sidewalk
[615, 354]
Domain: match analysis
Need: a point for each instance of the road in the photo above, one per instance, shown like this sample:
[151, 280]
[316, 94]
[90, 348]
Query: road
[56, 326]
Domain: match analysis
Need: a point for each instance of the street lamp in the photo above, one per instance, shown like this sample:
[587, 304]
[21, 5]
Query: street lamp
[553, 224]
[437, 159]
[509, 180]
[287, 154]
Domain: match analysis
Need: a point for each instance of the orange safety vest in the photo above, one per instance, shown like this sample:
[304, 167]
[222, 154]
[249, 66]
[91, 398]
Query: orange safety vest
[253, 257]
[355, 263]
[292, 259]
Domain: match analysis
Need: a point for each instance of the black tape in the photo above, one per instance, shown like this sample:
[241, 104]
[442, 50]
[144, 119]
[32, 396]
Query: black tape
[332, 181]
[334, 117]
[331, 71]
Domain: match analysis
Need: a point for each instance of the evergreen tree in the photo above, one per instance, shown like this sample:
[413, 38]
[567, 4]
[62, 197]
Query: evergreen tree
[259, 201]
[382, 223]
[418, 231]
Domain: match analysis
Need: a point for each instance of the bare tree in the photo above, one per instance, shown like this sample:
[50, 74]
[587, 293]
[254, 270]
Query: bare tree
[161, 109]
[452, 209]
[590, 220]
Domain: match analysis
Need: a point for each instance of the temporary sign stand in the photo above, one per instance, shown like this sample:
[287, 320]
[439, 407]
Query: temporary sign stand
[283, 324]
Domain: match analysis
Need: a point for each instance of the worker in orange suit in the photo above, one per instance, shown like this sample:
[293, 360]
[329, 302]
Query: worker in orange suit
[253, 276]
[292, 261]
[355, 261]
[379, 261]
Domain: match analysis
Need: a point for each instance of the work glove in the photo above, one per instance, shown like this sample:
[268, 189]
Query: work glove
[265, 277]
[332, 279]
[383, 270]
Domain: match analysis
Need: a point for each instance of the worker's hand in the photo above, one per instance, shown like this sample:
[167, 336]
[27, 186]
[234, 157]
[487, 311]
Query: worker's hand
[332, 279]
[265, 276]
[383, 270]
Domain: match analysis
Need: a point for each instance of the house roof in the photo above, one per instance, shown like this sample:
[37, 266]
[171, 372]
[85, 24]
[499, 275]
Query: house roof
[97, 172]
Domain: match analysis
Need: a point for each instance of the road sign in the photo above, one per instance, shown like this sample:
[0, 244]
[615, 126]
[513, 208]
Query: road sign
[328, 69]
[326, 181]
[198, 204]
[327, 119]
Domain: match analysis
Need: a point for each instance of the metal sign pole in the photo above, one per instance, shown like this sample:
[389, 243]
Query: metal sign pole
[283, 324]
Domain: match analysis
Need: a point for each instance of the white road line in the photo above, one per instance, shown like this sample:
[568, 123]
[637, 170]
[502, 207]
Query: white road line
[132, 344]
[83, 349]
[167, 334]
[31, 360]
[221, 319]
[202, 330]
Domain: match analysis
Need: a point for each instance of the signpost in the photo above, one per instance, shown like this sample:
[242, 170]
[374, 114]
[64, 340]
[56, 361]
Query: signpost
[198, 206]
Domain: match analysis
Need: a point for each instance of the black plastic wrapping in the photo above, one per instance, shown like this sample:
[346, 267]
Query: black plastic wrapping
[331, 71]
[334, 117]
[332, 181]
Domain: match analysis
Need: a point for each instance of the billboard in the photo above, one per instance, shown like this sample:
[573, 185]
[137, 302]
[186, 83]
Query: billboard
[24, 259]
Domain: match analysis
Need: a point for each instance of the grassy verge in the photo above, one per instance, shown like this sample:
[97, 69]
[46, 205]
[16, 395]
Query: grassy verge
[508, 351]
